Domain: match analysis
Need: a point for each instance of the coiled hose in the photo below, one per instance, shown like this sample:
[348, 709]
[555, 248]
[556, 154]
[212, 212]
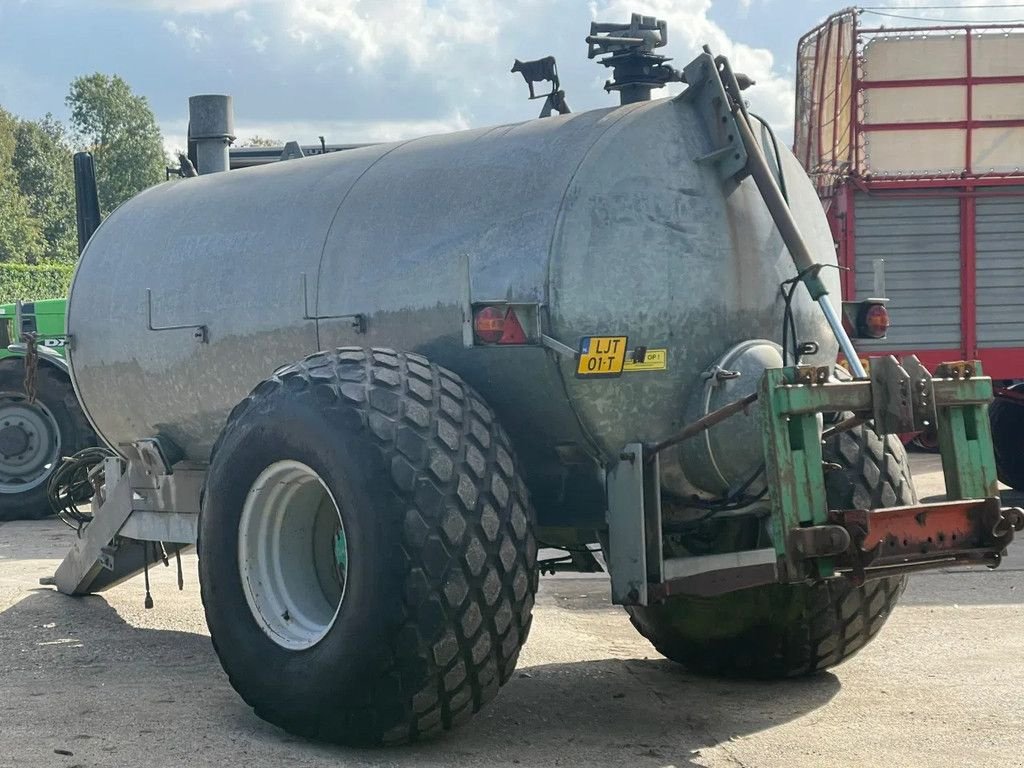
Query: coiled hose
[74, 484]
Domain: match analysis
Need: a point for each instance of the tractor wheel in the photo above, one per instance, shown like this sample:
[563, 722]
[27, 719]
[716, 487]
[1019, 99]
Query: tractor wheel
[782, 630]
[366, 549]
[34, 437]
[1007, 420]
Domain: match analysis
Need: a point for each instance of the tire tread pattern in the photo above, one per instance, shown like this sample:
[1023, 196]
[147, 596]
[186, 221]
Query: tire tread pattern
[465, 545]
[833, 619]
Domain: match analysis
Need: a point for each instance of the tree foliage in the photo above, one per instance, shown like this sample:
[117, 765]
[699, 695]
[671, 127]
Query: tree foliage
[37, 189]
[44, 168]
[21, 237]
[29, 282]
[119, 128]
[261, 141]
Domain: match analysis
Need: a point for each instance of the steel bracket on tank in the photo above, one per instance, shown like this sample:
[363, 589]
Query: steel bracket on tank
[200, 332]
[358, 319]
[707, 94]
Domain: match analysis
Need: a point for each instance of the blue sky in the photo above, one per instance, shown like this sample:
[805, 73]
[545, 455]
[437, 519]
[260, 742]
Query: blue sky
[364, 70]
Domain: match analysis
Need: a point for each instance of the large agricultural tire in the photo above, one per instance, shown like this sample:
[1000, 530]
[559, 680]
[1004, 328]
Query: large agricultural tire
[436, 573]
[34, 437]
[1006, 418]
[778, 630]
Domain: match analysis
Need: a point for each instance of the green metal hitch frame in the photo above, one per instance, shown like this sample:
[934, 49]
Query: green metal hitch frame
[812, 541]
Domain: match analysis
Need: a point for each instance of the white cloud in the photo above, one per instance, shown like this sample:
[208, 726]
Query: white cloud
[456, 53]
[194, 37]
[188, 6]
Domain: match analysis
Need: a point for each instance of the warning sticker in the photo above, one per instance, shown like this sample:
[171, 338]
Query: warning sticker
[654, 360]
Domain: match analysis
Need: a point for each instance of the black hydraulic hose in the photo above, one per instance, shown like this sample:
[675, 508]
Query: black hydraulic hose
[778, 156]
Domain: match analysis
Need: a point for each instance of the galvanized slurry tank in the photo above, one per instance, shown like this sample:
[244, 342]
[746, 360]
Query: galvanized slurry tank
[605, 218]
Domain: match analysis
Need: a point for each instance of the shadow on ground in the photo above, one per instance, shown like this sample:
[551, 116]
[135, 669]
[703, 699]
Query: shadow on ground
[76, 677]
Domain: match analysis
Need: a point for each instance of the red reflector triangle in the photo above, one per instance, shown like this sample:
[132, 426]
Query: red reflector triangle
[514, 333]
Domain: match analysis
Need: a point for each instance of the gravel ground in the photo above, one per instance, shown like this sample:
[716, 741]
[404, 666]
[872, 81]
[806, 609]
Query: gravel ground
[100, 681]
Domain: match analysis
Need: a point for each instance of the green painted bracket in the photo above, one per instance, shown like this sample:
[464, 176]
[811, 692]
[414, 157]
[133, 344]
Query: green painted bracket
[793, 459]
[792, 398]
[965, 440]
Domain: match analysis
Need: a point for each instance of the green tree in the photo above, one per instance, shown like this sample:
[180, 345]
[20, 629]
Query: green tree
[261, 141]
[21, 237]
[119, 128]
[44, 170]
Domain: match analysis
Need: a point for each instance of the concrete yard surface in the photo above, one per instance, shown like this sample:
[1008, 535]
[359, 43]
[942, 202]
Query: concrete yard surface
[100, 681]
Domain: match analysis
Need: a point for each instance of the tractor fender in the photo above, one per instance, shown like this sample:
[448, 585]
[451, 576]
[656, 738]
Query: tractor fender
[46, 357]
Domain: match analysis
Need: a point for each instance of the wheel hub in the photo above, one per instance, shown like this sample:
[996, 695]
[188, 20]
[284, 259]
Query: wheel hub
[30, 443]
[293, 555]
[14, 441]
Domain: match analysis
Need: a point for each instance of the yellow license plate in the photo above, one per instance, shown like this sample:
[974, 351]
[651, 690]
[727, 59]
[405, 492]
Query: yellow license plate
[601, 355]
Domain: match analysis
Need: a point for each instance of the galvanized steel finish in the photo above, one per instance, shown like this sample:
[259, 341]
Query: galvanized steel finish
[605, 218]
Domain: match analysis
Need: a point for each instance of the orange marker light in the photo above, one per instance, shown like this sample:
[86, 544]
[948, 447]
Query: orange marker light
[489, 324]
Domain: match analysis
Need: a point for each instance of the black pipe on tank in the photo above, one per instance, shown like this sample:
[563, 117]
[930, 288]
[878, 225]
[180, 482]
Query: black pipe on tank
[87, 202]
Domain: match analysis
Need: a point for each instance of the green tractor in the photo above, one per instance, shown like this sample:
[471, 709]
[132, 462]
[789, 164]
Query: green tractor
[41, 420]
[40, 417]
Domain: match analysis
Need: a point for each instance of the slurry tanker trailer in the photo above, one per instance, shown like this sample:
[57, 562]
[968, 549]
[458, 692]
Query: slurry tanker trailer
[387, 377]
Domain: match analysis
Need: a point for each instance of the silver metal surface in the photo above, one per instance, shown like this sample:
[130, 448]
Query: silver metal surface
[627, 550]
[878, 274]
[143, 501]
[289, 562]
[845, 343]
[806, 259]
[211, 126]
[604, 218]
[681, 567]
[167, 527]
[728, 453]
[77, 574]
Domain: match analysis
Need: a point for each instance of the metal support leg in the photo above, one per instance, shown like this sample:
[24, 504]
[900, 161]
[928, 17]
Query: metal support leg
[627, 555]
[87, 559]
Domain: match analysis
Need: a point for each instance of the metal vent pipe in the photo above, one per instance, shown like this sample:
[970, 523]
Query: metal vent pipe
[211, 129]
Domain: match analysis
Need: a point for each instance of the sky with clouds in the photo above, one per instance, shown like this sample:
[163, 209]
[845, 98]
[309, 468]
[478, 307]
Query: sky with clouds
[372, 70]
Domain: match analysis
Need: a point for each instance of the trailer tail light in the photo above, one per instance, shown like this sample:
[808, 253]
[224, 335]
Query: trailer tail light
[489, 324]
[873, 321]
[867, 319]
[498, 325]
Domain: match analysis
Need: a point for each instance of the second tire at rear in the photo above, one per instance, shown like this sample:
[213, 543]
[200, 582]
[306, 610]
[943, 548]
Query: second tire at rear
[1006, 418]
[783, 630]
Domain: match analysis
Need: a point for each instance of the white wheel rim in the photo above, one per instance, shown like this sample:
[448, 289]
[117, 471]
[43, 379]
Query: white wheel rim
[292, 555]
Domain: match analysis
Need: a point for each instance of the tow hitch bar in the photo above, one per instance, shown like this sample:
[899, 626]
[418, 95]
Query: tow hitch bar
[885, 542]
